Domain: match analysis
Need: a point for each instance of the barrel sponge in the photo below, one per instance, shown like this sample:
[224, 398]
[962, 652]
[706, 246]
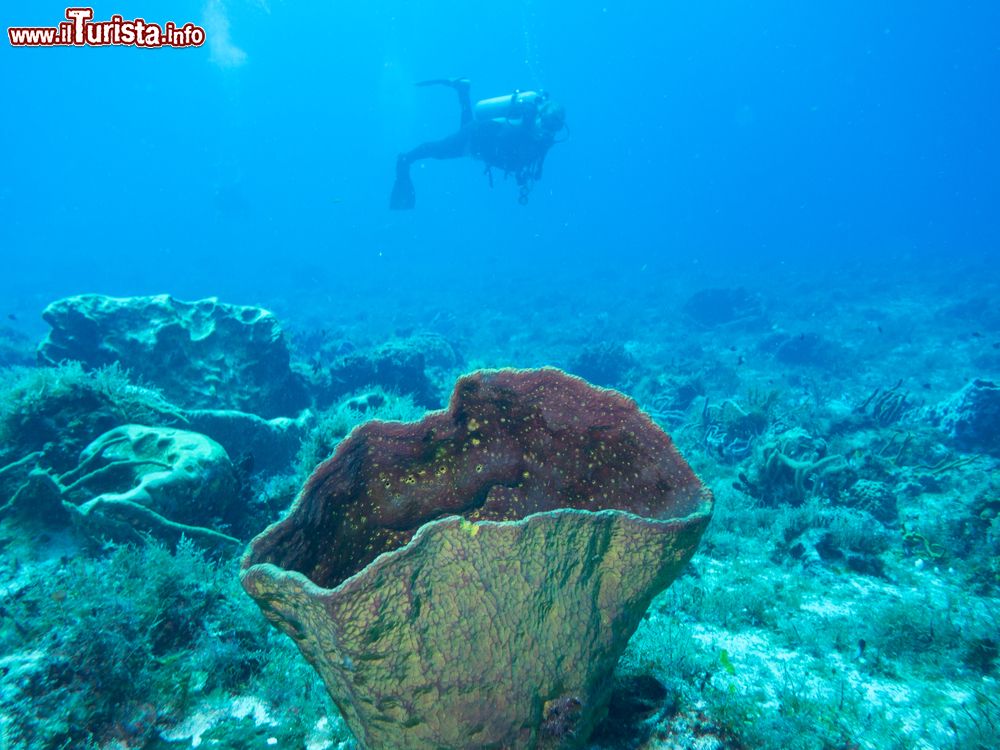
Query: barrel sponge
[471, 580]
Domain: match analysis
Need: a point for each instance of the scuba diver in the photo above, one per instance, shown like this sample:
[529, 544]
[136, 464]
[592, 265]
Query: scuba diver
[512, 133]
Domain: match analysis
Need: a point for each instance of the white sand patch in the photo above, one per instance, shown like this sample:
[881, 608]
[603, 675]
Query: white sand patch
[757, 664]
[827, 608]
[239, 707]
[319, 739]
[244, 706]
[207, 717]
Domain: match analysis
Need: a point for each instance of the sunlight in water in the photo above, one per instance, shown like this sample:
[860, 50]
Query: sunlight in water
[224, 52]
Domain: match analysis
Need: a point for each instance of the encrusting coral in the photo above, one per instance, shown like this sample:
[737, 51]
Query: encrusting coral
[133, 480]
[205, 354]
[792, 467]
[471, 580]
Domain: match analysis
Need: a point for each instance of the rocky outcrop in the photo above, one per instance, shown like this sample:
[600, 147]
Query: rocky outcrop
[204, 354]
[972, 417]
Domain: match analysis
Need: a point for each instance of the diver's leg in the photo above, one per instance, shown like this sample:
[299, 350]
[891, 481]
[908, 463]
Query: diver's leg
[453, 147]
[463, 87]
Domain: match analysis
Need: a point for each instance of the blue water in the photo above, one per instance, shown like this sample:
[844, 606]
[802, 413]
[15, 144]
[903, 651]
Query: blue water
[710, 137]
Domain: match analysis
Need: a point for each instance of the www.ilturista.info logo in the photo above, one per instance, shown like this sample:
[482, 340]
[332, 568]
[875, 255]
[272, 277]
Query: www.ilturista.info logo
[80, 30]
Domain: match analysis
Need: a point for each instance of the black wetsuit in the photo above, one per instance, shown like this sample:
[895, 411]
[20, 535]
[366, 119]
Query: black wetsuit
[516, 147]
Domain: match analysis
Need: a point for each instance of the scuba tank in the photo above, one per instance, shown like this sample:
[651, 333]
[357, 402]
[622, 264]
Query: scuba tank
[510, 107]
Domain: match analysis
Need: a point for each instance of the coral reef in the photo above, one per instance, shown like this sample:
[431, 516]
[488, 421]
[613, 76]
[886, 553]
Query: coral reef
[135, 480]
[885, 406]
[607, 364]
[116, 651]
[725, 307]
[793, 466]
[269, 444]
[387, 572]
[160, 480]
[806, 349]
[398, 366]
[729, 431]
[333, 425]
[15, 347]
[873, 497]
[845, 595]
[58, 411]
[971, 417]
[203, 354]
[822, 537]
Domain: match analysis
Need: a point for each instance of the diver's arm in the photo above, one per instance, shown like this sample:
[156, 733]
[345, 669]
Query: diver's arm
[529, 116]
[539, 163]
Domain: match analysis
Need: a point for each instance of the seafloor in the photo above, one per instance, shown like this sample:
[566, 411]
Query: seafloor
[844, 596]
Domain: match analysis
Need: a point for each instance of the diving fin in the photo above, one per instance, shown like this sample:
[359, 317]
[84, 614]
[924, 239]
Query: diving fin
[453, 83]
[403, 197]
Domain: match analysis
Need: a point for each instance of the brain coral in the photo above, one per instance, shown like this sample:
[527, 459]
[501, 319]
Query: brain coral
[471, 580]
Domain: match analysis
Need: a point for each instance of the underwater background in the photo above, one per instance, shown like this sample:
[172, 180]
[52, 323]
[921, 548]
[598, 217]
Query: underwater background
[772, 224]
